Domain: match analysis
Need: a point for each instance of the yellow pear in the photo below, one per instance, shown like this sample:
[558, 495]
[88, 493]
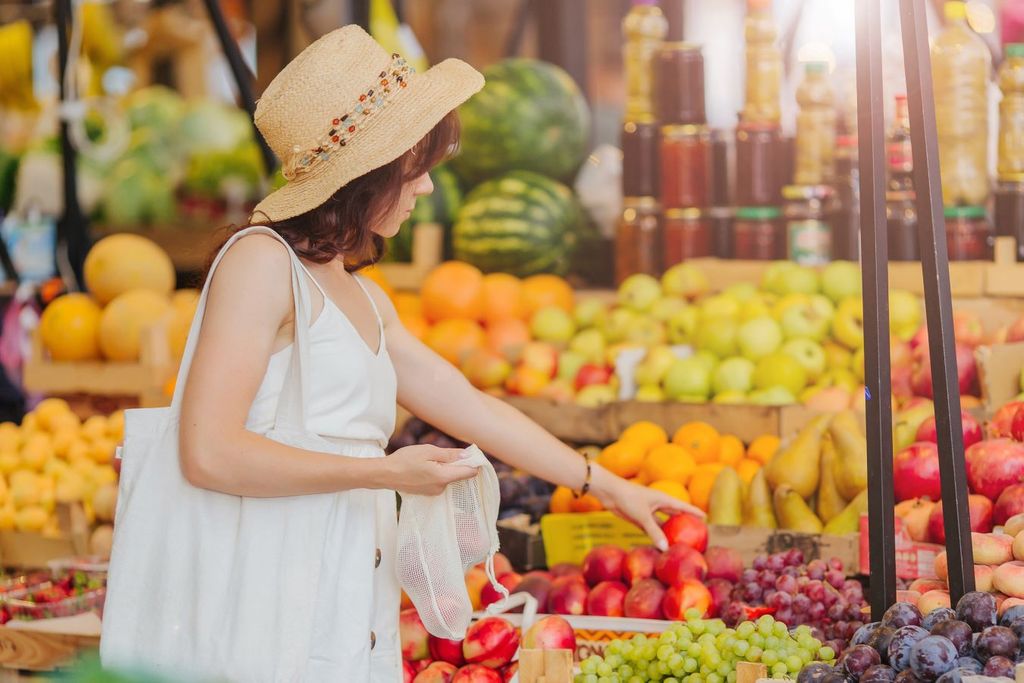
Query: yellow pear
[848, 521]
[757, 505]
[852, 448]
[725, 503]
[830, 503]
[793, 512]
[798, 464]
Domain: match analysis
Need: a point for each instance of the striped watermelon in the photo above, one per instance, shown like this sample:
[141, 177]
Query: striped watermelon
[440, 206]
[521, 223]
[530, 115]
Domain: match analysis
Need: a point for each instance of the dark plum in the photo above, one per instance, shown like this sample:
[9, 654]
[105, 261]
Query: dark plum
[834, 677]
[1017, 626]
[902, 614]
[937, 615]
[999, 667]
[879, 673]
[814, 672]
[1011, 614]
[932, 656]
[954, 676]
[907, 676]
[899, 646]
[880, 639]
[958, 632]
[997, 641]
[970, 664]
[977, 610]
[858, 659]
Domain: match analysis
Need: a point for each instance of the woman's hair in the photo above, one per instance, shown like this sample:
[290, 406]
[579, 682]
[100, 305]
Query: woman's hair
[341, 226]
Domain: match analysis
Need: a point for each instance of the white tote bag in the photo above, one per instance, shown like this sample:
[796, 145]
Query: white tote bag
[208, 586]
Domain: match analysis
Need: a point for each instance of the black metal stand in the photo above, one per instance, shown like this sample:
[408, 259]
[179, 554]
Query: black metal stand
[361, 13]
[562, 40]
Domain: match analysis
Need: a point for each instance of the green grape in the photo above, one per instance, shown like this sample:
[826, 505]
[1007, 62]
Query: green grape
[693, 614]
[590, 678]
[741, 648]
[756, 639]
[696, 627]
[765, 620]
[690, 665]
[713, 659]
[648, 652]
[826, 654]
[769, 658]
[707, 640]
[754, 654]
[724, 668]
[815, 644]
[625, 671]
[663, 668]
[675, 661]
[636, 679]
[745, 630]
[671, 679]
[729, 643]
[589, 665]
[638, 640]
[667, 638]
[731, 678]
[794, 663]
[772, 643]
[704, 670]
[603, 669]
[606, 679]
[779, 670]
[653, 671]
[805, 655]
[694, 678]
[664, 652]
[694, 650]
[613, 647]
[716, 626]
[780, 629]
[714, 678]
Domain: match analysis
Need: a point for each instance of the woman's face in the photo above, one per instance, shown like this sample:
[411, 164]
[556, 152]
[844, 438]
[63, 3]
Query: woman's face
[388, 226]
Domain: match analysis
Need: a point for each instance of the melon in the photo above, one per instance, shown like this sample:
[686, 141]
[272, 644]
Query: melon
[104, 502]
[124, 262]
[125, 320]
[69, 327]
[183, 308]
[101, 541]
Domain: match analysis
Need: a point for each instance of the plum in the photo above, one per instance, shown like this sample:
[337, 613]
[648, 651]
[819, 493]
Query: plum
[977, 610]
[907, 676]
[970, 664]
[932, 656]
[863, 634]
[902, 614]
[880, 639]
[1011, 614]
[997, 641]
[899, 646]
[834, 677]
[814, 672]
[937, 615]
[879, 673]
[858, 659]
[999, 667]
[958, 632]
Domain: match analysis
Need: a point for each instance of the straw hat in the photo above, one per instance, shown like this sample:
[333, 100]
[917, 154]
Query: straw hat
[345, 107]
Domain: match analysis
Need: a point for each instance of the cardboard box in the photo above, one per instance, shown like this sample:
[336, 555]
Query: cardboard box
[999, 370]
[914, 560]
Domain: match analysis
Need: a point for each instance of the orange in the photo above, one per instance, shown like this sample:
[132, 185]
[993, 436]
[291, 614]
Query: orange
[540, 291]
[747, 468]
[407, 303]
[701, 439]
[416, 324]
[69, 328]
[455, 339]
[586, 503]
[561, 500]
[623, 458]
[374, 274]
[700, 484]
[507, 337]
[672, 488]
[763, 448]
[453, 290]
[503, 297]
[646, 434]
[669, 461]
[730, 450]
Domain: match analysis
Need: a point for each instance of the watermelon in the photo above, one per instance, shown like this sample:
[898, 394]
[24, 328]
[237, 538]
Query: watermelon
[521, 223]
[530, 115]
[440, 206]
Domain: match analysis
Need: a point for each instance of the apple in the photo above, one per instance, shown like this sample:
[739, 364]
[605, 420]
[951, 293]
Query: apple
[643, 601]
[688, 594]
[569, 364]
[665, 308]
[414, 636]
[647, 332]
[682, 326]
[979, 509]
[639, 564]
[848, 323]
[718, 335]
[967, 372]
[589, 344]
[759, 337]
[553, 325]
[907, 422]
[491, 642]
[680, 562]
[607, 599]
[476, 673]
[568, 595]
[485, 369]
[826, 399]
[649, 393]
[971, 427]
[409, 673]
[994, 465]
[1001, 424]
[811, 320]
[719, 306]
[684, 528]
[786, 277]
[604, 563]
[590, 375]
[688, 377]
[684, 280]
[741, 291]
[550, 633]
[655, 365]
[774, 396]
[858, 364]
[510, 671]
[638, 292]
[840, 280]
[617, 325]
[809, 354]
[490, 595]
[967, 328]
[539, 356]
[589, 313]
[916, 472]
[754, 308]
[905, 314]
[446, 650]
[837, 356]
[780, 370]
[724, 563]
[566, 569]
[537, 585]
[596, 395]
[733, 374]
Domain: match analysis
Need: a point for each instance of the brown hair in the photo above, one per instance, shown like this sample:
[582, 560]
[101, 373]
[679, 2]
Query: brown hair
[341, 225]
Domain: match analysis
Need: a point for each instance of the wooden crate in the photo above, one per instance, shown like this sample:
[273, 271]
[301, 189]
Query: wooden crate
[27, 650]
[999, 369]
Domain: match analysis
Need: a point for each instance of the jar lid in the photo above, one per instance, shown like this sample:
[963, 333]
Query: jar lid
[1015, 50]
[758, 213]
[758, 127]
[798, 192]
[955, 10]
[684, 130]
[964, 212]
[683, 214]
[816, 67]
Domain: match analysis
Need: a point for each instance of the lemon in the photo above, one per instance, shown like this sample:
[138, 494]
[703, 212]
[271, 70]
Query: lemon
[32, 518]
[37, 450]
[10, 437]
[95, 428]
[48, 410]
[102, 450]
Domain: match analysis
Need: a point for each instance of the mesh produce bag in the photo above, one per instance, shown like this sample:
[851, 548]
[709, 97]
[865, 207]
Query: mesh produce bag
[440, 538]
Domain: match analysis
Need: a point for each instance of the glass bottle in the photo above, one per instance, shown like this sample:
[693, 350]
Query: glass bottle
[1011, 115]
[764, 65]
[815, 127]
[643, 29]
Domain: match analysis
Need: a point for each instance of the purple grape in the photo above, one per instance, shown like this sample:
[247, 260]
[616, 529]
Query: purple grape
[749, 575]
[977, 609]
[785, 615]
[760, 562]
[997, 641]
[815, 590]
[802, 581]
[734, 613]
[958, 632]
[999, 667]
[836, 578]
[854, 611]
[814, 672]
[786, 584]
[794, 557]
[777, 562]
[816, 612]
[792, 571]
[937, 615]
[879, 673]
[932, 656]
[900, 644]
[801, 604]
[752, 593]
[902, 614]
[767, 579]
[778, 599]
[907, 676]
[831, 595]
[858, 659]
[1011, 614]
[852, 627]
[816, 569]
[880, 639]
[969, 664]
[837, 611]
[835, 563]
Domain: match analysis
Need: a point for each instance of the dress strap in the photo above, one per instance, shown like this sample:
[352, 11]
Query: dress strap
[373, 304]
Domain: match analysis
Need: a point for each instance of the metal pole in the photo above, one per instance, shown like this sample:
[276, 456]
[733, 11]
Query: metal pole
[72, 228]
[361, 13]
[931, 237]
[562, 37]
[242, 75]
[874, 272]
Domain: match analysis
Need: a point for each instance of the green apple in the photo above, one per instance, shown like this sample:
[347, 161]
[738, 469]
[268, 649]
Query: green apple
[590, 344]
[720, 306]
[809, 354]
[783, 303]
[905, 314]
[687, 377]
[647, 332]
[685, 280]
[837, 356]
[596, 395]
[717, 335]
[730, 398]
[780, 370]
[639, 292]
[786, 277]
[650, 393]
[841, 377]
[858, 364]
[755, 308]
[741, 291]
[775, 396]
[569, 364]
[618, 324]
[759, 337]
[665, 308]
[848, 323]
[840, 279]
[734, 375]
[590, 313]
[652, 369]
[683, 325]
[709, 359]
[553, 325]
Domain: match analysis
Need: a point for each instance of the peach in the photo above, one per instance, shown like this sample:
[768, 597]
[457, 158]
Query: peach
[550, 633]
[915, 521]
[501, 565]
[476, 673]
[1018, 546]
[922, 586]
[688, 594]
[639, 564]
[992, 549]
[437, 672]
[1008, 602]
[450, 651]
[538, 586]
[414, 636]
[724, 563]
[643, 601]
[476, 579]
[489, 595]
[491, 642]
[942, 566]
[933, 600]
[568, 595]
[912, 597]
[1000, 599]
[1014, 525]
[607, 599]
[679, 563]
[983, 578]
[603, 563]
[686, 529]
[1009, 579]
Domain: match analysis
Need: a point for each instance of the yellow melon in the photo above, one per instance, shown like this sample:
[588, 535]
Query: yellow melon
[183, 309]
[68, 328]
[31, 518]
[104, 502]
[125, 320]
[124, 262]
[101, 541]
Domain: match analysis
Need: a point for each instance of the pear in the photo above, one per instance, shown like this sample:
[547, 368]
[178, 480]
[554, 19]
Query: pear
[848, 521]
[725, 504]
[798, 465]
[829, 501]
[793, 512]
[757, 505]
[852, 448]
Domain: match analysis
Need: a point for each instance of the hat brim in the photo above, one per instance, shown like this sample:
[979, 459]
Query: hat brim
[394, 131]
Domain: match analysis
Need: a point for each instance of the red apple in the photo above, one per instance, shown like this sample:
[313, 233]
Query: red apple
[723, 563]
[972, 430]
[639, 564]
[539, 573]
[606, 599]
[550, 633]
[509, 672]
[643, 601]
[920, 340]
[967, 372]
[980, 509]
[603, 563]
[686, 529]
[490, 594]
[967, 328]
[568, 595]
[902, 381]
[566, 569]
[721, 593]
[687, 595]
[916, 472]
[1009, 503]
[476, 673]
[491, 642]
[537, 586]
[414, 636]
[446, 650]
[994, 465]
[1001, 424]
[679, 563]
[593, 374]
[408, 672]
[437, 672]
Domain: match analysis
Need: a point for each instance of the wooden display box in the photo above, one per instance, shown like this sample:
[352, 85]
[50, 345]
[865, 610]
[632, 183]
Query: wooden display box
[999, 370]
[30, 650]
[25, 551]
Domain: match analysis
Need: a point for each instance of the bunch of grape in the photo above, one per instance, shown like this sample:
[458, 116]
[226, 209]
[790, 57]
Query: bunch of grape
[815, 594]
[705, 651]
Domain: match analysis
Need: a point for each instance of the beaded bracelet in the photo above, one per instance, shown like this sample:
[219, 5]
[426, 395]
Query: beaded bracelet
[586, 480]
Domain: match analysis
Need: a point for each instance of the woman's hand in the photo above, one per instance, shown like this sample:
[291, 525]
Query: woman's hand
[426, 470]
[637, 504]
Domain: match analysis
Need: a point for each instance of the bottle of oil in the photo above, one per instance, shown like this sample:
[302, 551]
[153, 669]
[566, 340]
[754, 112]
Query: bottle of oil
[815, 127]
[643, 29]
[1011, 114]
[764, 65]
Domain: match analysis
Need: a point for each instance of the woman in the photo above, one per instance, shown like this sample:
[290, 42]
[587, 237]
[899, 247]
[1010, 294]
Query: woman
[357, 131]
